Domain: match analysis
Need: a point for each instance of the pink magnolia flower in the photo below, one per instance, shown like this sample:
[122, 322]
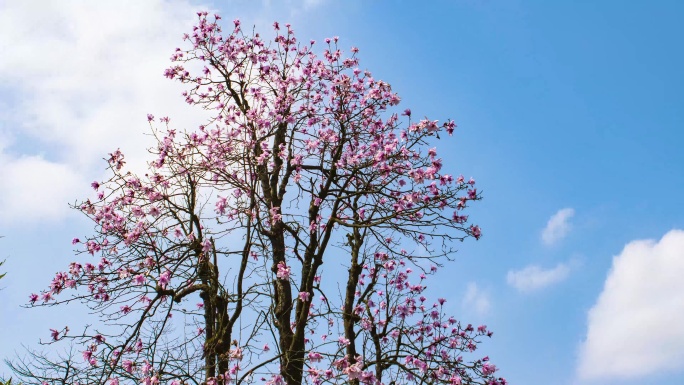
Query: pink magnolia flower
[276, 380]
[127, 366]
[283, 271]
[475, 230]
[275, 215]
[164, 279]
[221, 204]
[139, 279]
[206, 245]
[146, 368]
[304, 296]
[488, 369]
[354, 371]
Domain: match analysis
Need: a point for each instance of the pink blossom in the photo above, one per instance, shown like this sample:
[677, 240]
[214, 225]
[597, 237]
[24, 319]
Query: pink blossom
[275, 215]
[283, 271]
[315, 357]
[164, 279]
[127, 366]
[139, 279]
[146, 368]
[488, 369]
[221, 204]
[476, 232]
[276, 380]
[304, 296]
[354, 371]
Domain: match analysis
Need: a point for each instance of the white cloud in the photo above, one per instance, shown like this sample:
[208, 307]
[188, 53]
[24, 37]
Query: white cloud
[636, 326]
[534, 277]
[557, 227]
[476, 300]
[76, 82]
[36, 189]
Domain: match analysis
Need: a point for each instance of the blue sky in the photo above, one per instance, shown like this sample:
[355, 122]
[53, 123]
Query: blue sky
[570, 115]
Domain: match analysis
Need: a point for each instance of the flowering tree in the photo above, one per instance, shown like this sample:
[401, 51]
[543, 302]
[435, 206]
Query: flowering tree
[286, 241]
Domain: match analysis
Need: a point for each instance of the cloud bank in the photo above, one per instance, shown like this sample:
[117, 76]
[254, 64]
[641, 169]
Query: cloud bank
[76, 82]
[636, 326]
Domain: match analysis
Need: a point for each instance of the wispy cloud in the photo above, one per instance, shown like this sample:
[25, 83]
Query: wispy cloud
[312, 3]
[636, 326]
[557, 227]
[534, 277]
[476, 300]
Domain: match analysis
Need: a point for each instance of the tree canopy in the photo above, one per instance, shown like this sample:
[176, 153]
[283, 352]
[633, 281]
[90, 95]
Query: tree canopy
[288, 240]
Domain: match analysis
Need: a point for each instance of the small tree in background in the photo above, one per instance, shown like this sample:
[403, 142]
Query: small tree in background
[288, 240]
[2, 275]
